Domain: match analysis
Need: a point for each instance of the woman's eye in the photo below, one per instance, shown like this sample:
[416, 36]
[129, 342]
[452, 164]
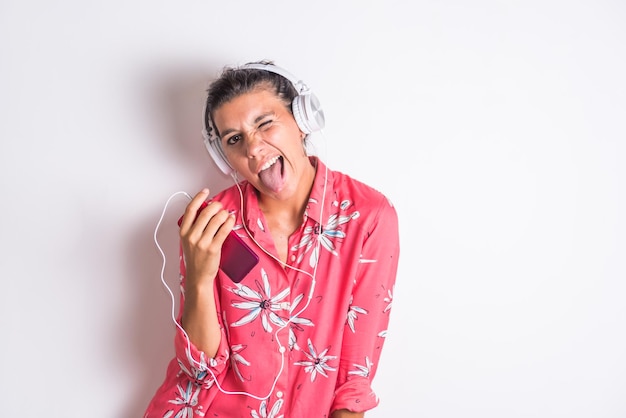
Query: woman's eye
[265, 124]
[232, 140]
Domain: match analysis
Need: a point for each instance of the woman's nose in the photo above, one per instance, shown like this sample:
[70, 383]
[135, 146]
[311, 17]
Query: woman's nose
[255, 144]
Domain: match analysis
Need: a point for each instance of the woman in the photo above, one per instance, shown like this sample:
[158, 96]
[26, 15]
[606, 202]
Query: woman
[301, 335]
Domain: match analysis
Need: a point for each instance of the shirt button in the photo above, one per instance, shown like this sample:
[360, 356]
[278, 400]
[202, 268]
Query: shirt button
[279, 394]
[293, 257]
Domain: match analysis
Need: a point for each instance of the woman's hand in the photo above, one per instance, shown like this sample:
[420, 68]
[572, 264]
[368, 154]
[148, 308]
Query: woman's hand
[202, 235]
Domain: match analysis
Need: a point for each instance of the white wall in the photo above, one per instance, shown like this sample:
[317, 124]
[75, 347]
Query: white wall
[496, 127]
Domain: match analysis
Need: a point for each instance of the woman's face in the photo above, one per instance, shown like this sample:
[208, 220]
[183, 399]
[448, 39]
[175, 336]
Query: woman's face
[263, 143]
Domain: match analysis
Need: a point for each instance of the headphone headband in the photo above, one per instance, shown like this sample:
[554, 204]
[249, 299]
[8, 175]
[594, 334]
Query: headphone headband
[299, 85]
[305, 107]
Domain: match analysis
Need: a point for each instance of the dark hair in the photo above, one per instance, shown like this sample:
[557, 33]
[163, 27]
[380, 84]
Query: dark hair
[234, 81]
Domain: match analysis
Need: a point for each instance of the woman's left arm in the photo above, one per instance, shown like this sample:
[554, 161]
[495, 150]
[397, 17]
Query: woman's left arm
[368, 313]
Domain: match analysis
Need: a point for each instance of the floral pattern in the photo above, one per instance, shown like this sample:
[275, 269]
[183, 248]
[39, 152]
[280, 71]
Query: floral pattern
[325, 235]
[316, 363]
[263, 413]
[299, 342]
[237, 358]
[353, 312]
[362, 370]
[188, 400]
[296, 322]
[388, 300]
[260, 303]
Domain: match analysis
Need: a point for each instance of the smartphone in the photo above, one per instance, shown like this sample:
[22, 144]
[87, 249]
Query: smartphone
[237, 257]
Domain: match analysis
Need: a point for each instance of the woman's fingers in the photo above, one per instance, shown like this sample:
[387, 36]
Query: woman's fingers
[204, 227]
[192, 210]
[212, 226]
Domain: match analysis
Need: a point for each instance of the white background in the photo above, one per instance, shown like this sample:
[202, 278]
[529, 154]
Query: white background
[496, 127]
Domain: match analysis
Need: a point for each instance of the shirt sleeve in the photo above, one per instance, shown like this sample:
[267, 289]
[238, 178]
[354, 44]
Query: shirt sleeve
[190, 374]
[192, 361]
[368, 313]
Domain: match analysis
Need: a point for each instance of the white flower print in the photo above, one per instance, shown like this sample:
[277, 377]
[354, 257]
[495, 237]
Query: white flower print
[260, 303]
[238, 358]
[366, 260]
[293, 340]
[197, 370]
[353, 311]
[362, 370]
[316, 363]
[296, 323]
[325, 235]
[263, 410]
[389, 299]
[189, 399]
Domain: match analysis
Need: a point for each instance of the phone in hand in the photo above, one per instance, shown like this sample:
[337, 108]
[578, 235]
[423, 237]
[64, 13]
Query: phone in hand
[237, 257]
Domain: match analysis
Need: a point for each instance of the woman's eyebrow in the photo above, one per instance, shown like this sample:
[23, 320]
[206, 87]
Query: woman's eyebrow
[255, 121]
[263, 116]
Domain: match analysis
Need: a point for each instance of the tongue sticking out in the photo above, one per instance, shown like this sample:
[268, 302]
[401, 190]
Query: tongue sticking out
[272, 177]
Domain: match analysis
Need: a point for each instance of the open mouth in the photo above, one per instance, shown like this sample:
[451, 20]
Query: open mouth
[272, 172]
[270, 163]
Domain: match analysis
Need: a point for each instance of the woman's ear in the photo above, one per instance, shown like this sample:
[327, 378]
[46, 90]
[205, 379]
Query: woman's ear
[303, 138]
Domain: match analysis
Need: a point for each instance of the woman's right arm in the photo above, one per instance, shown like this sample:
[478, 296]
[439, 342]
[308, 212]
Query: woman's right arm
[202, 235]
[201, 348]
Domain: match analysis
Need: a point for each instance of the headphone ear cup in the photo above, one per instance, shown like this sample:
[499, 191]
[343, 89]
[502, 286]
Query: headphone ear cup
[216, 152]
[308, 113]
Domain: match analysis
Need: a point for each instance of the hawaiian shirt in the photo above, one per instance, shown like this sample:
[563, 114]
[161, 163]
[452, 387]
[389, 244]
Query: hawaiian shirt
[301, 340]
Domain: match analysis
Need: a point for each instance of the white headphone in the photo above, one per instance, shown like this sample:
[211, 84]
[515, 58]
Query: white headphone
[305, 107]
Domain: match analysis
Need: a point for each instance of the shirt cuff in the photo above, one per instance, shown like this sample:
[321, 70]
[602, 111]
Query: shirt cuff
[355, 395]
[195, 364]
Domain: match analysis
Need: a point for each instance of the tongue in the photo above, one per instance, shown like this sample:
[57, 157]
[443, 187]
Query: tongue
[272, 178]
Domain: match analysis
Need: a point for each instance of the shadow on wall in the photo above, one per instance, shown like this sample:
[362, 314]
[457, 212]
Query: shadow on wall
[175, 101]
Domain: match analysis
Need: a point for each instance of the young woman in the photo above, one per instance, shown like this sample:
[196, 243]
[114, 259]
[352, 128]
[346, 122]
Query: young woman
[301, 334]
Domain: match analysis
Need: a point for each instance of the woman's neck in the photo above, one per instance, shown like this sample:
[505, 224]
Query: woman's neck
[290, 211]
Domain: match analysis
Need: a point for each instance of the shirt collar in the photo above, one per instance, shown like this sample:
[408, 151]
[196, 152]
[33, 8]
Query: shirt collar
[322, 190]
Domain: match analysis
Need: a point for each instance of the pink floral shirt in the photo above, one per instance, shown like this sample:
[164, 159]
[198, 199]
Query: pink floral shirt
[330, 350]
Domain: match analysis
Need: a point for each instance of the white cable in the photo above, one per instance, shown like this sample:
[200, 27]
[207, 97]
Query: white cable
[173, 299]
[173, 314]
